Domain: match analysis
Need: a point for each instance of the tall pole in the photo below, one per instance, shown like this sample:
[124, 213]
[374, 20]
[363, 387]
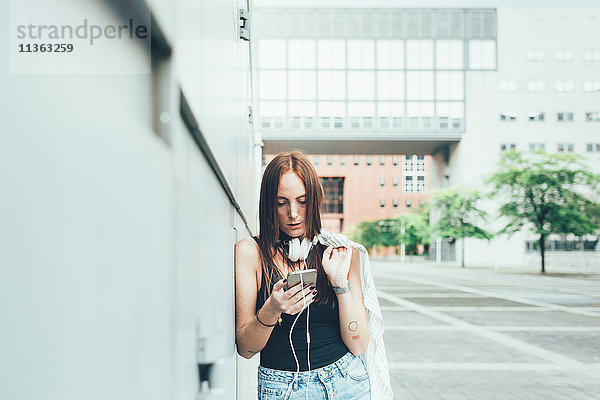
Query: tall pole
[402, 245]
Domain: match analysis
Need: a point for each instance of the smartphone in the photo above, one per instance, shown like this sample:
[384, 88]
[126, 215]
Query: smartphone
[309, 277]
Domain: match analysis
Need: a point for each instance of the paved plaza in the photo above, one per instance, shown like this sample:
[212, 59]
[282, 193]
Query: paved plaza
[460, 333]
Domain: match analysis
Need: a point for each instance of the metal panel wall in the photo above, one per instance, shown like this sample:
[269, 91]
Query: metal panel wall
[117, 242]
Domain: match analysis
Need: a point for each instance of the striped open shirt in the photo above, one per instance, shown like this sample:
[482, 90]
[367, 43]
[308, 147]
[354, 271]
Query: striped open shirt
[375, 357]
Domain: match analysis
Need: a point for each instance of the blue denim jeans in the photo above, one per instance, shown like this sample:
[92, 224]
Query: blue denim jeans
[345, 379]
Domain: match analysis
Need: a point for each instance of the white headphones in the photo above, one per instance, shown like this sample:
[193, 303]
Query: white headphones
[299, 251]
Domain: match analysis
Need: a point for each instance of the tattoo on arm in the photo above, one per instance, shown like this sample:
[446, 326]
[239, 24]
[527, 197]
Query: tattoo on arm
[353, 325]
[356, 337]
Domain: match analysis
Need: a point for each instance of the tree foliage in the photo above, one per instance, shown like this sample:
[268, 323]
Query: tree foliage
[367, 233]
[388, 232]
[459, 215]
[416, 229]
[546, 193]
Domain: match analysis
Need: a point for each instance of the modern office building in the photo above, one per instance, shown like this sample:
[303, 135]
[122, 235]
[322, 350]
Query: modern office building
[459, 84]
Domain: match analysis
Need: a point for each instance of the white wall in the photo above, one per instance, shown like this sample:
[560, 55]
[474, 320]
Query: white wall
[116, 247]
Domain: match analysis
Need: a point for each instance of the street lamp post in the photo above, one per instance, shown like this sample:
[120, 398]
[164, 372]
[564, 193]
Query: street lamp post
[402, 245]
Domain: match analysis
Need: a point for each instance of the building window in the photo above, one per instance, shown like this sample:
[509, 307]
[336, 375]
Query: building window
[562, 245]
[563, 55]
[420, 184]
[329, 160]
[592, 116]
[591, 55]
[382, 181]
[507, 86]
[408, 163]
[265, 122]
[419, 54]
[408, 202]
[482, 54]
[420, 166]
[537, 146]
[390, 54]
[449, 85]
[279, 122]
[564, 86]
[355, 160]
[396, 202]
[369, 160]
[296, 122]
[420, 85]
[421, 202]
[333, 200]
[565, 147]
[591, 86]
[593, 147]
[535, 55]
[536, 86]
[564, 117]
[449, 54]
[396, 181]
[395, 160]
[316, 160]
[508, 146]
[308, 122]
[408, 184]
[342, 160]
[381, 160]
[382, 202]
[444, 123]
[535, 116]
[508, 116]
[384, 122]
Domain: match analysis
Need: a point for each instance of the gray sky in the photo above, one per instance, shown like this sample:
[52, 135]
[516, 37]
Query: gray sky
[423, 3]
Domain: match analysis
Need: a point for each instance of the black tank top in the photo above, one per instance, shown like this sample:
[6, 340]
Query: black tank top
[326, 345]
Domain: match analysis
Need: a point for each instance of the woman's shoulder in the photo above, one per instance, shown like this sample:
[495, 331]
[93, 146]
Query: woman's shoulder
[247, 247]
[247, 258]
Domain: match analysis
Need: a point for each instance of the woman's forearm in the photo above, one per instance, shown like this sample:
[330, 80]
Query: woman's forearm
[353, 322]
[253, 337]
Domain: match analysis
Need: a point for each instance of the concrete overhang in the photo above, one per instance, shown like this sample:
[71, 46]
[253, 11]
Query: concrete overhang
[421, 144]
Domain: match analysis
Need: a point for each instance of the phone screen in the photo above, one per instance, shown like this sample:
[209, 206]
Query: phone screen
[309, 277]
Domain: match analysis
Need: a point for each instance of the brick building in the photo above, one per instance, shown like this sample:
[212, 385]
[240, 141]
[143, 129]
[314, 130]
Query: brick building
[369, 187]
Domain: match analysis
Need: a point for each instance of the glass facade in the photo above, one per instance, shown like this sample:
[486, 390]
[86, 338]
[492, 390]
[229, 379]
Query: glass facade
[369, 70]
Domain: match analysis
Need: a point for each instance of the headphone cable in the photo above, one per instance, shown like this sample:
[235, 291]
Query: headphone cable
[307, 337]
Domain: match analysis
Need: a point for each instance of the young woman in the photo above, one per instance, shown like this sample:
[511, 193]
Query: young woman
[290, 202]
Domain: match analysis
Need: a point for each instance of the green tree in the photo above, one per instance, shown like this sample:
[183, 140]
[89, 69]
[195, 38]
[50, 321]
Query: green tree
[547, 193]
[459, 216]
[387, 233]
[376, 233]
[416, 229]
[367, 234]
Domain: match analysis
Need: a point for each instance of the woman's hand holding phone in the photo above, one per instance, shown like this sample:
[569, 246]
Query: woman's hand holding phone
[290, 301]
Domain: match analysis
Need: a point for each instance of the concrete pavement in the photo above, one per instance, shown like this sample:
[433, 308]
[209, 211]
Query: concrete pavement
[473, 333]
